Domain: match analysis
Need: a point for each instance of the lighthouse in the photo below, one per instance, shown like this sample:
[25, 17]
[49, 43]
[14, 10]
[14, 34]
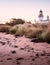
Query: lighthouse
[48, 18]
[40, 15]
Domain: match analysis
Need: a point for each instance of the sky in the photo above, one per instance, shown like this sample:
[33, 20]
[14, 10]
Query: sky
[24, 9]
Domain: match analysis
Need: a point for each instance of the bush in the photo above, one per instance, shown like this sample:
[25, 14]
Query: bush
[28, 30]
[12, 30]
[20, 31]
[39, 31]
[34, 33]
[45, 36]
[15, 21]
[4, 28]
[38, 25]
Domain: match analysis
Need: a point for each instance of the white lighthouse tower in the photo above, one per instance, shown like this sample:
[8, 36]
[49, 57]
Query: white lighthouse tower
[40, 16]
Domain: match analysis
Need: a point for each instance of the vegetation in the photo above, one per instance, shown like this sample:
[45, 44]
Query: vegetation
[15, 21]
[4, 28]
[18, 27]
[45, 36]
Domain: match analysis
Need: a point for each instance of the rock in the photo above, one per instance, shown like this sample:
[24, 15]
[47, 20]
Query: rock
[9, 58]
[20, 58]
[13, 52]
[43, 54]
[35, 40]
[15, 46]
[3, 43]
[21, 48]
[33, 59]
[37, 55]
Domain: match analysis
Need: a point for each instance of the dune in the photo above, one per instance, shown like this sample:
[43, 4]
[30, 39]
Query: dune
[21, 51]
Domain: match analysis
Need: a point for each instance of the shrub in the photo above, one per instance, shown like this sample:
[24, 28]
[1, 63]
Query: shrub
[39, 31]
[34, 33]
[38, 25]
[12, 30]
[20, 31]
[28, 30]
[15, 21]
[45, 36]
[4, 28]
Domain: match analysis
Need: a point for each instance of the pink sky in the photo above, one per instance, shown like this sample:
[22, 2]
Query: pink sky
[25, 9]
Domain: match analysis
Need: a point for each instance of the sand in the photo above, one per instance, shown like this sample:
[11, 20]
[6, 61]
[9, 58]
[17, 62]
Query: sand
[21, 51]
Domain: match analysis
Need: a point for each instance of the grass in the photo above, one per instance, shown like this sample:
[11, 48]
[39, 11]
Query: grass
[4, 28]
[39, 31]
[12, 30]
[45, 36]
